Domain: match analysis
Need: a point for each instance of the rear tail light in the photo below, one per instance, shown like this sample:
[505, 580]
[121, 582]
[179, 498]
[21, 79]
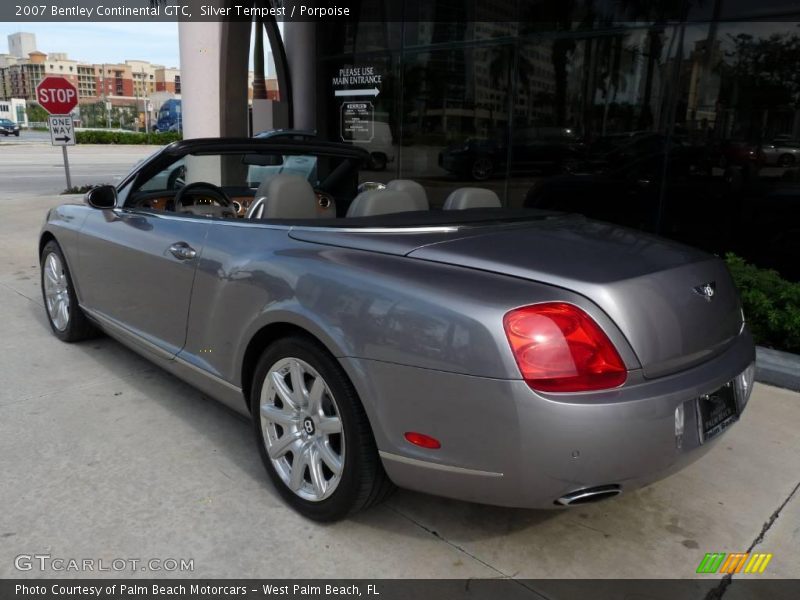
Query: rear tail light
[559, 348]
[422, 440]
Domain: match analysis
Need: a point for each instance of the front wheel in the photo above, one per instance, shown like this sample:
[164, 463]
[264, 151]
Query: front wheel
[313, 434]
[482, 168]
[66, 318]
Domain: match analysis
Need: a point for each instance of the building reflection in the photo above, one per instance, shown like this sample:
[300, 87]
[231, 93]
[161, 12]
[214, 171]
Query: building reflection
[682, 118]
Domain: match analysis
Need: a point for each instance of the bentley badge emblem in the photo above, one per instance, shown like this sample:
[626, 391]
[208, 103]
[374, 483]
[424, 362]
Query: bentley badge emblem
[706, 290]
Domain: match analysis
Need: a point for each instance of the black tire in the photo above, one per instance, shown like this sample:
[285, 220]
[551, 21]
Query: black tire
[78, 327]
[16, 133]
[363, 481]
[785, 160]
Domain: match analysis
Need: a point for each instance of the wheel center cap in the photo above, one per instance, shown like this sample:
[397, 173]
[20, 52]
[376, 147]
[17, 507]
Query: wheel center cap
[308, 426]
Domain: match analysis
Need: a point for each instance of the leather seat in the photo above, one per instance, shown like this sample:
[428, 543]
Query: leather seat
[471, 197]
[381, 202]
[413, 189]
[284, 197]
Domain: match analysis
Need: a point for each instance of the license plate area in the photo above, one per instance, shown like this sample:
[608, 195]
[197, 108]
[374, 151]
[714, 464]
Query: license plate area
[717, 411]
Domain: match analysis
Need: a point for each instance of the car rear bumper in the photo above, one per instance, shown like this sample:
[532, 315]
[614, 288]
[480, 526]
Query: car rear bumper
[506, 445]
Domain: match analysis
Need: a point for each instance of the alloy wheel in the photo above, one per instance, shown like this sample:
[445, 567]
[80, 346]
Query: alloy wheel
[56, 291]
[302, 429]
[481, 169]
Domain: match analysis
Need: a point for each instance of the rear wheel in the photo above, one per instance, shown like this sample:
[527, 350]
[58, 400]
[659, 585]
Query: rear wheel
[313, 434]
[66, 318]
[785, 160]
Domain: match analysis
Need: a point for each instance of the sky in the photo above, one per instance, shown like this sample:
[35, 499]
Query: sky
[103, 42]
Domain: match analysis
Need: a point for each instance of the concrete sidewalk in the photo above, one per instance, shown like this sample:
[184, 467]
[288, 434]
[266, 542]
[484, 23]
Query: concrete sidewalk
[105, 456]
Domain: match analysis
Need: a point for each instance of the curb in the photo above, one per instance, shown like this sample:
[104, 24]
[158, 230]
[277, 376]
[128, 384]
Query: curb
[777, 368]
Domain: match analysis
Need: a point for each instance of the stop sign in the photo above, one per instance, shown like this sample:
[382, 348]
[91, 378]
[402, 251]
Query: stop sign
[56, 95]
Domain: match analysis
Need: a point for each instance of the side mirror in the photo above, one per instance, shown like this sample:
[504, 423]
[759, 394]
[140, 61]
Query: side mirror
[103, 196]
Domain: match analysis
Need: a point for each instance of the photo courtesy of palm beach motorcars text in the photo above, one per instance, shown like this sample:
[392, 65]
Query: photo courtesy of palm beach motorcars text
[108, 591]
[399, 299]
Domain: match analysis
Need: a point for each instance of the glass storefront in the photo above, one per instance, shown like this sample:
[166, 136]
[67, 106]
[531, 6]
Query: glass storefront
[662, 116]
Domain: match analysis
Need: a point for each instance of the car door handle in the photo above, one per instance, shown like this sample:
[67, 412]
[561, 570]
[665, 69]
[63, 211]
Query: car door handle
[182, 251]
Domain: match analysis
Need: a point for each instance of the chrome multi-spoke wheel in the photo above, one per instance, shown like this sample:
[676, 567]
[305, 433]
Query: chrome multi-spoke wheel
[482, 169]
[313, 434]
[302, 429]
[67, 320]
[56, 291]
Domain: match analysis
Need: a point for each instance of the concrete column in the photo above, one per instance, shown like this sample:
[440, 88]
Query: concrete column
[200, 50]
[301, 49]
[214, 61]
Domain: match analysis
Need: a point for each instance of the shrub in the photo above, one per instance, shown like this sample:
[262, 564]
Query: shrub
[126, 137]
[771, 304]
[82, 189]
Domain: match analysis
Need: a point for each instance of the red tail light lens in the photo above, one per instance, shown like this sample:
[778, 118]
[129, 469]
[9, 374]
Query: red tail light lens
[422, 440]
[559, 348]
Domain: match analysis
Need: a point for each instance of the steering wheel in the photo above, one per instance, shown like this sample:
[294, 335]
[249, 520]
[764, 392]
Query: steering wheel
[206, 190]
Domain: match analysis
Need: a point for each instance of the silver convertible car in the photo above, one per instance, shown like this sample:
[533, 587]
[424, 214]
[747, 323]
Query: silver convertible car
[512, 357]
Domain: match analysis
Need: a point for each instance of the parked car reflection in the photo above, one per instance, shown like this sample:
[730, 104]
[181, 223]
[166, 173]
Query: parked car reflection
[546, 150]
[780, 153]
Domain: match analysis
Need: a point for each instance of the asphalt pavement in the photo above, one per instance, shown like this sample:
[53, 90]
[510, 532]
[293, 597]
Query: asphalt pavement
[30, 165]
[105, 456]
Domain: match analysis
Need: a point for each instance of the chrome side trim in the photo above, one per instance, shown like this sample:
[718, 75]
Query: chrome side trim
[127, 334]
[436, 466]
[290, 228]
[216, 378]
[430, 229]
[133, 338]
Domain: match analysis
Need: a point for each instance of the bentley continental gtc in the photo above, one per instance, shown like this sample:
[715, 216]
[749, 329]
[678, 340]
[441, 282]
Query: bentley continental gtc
[513, 357]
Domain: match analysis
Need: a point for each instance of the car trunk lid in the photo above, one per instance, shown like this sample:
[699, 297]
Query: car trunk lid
[652, 288]
[676, 306]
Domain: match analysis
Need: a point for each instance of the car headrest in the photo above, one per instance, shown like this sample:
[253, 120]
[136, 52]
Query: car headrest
[289, 197]
[471, 197]
[413, 189]
[381, 202]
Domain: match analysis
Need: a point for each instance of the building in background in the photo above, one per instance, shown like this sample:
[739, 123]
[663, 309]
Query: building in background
[21, 44]
[14, 110]
[168, 80]
[128, 94]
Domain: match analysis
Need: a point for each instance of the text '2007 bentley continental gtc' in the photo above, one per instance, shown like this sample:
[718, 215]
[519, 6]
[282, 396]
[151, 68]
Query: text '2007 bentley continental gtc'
[512, 357]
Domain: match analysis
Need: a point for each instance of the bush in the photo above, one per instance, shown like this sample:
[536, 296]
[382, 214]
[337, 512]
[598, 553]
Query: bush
[81, 189]
[771, 304]
[126, 137]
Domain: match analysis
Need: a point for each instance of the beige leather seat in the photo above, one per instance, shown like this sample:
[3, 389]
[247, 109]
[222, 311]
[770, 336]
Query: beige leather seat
[471, 197]
[284, 197]
[413, 189]
[381, 202]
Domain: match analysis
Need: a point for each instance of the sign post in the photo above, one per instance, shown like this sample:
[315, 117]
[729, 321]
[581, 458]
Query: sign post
[59, 97]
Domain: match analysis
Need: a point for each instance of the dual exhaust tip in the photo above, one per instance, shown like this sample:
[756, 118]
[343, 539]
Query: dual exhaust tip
[589, 495]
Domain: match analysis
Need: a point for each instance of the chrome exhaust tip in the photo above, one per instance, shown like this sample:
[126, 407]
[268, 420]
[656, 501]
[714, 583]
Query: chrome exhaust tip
[588, 495]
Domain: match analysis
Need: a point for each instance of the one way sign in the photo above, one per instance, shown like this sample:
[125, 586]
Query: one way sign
[62, 133]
